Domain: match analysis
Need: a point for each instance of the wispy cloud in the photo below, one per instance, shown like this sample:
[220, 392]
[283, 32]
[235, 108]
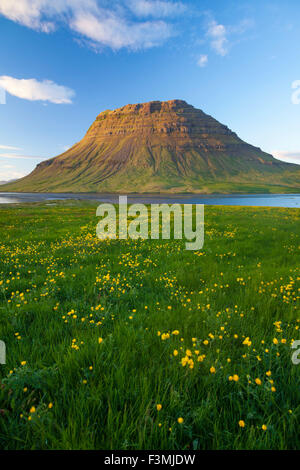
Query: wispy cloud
[28, 13]
[114, 24]
[156, 8]
[25, 157]
[202, 61]
[8, 147]
[221, 37]
[217, 34]
[116, 32]
[33, 90]
[10, 164]
[10, 174]
[290, 157]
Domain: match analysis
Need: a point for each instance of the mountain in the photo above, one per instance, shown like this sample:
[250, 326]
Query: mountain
[159, 146]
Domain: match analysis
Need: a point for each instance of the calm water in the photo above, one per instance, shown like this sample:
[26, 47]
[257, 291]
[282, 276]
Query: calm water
[267, 200]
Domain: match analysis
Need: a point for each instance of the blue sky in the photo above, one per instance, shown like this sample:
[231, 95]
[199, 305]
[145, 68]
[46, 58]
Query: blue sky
[62, 62]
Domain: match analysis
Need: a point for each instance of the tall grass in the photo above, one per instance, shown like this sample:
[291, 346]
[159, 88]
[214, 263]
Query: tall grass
[98, 333]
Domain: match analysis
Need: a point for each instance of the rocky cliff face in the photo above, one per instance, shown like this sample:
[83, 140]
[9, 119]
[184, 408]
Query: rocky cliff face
[158, 146]
[156, 118]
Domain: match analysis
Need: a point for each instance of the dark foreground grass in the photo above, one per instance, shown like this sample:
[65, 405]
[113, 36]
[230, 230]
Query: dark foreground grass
[98, 333]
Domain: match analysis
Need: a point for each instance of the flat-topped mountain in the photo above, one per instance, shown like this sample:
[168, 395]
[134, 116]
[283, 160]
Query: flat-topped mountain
[159, 146]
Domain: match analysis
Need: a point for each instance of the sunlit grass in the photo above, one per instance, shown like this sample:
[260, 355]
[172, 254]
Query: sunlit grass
[99, 333]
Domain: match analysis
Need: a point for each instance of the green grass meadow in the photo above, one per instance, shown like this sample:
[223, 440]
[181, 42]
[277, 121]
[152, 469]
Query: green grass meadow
[123, 344]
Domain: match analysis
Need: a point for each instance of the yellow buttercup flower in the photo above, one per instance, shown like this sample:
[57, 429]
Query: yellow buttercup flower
[159, 407]
[247, 342]
[180, 420]
[241, 423]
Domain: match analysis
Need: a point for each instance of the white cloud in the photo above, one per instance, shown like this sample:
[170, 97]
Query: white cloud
[8, 174]
[98, 21]
[33, 90]
[11, 170]
[8, 147]
[221, 37]
[217, 34]
[290, 157]
[13, 155]
[156, 8]
[27, 12]
[202, 61]
[116, 32]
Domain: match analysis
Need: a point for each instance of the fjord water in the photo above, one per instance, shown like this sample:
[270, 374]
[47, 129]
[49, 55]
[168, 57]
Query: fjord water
[266, 200]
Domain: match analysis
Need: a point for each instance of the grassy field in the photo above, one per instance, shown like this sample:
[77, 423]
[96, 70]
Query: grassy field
[142, 344]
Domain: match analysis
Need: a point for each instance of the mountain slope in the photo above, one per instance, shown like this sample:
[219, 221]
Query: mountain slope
[160, 147]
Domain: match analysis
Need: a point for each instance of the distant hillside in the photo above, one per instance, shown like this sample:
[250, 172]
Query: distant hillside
[6, 182]
[160, 147]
